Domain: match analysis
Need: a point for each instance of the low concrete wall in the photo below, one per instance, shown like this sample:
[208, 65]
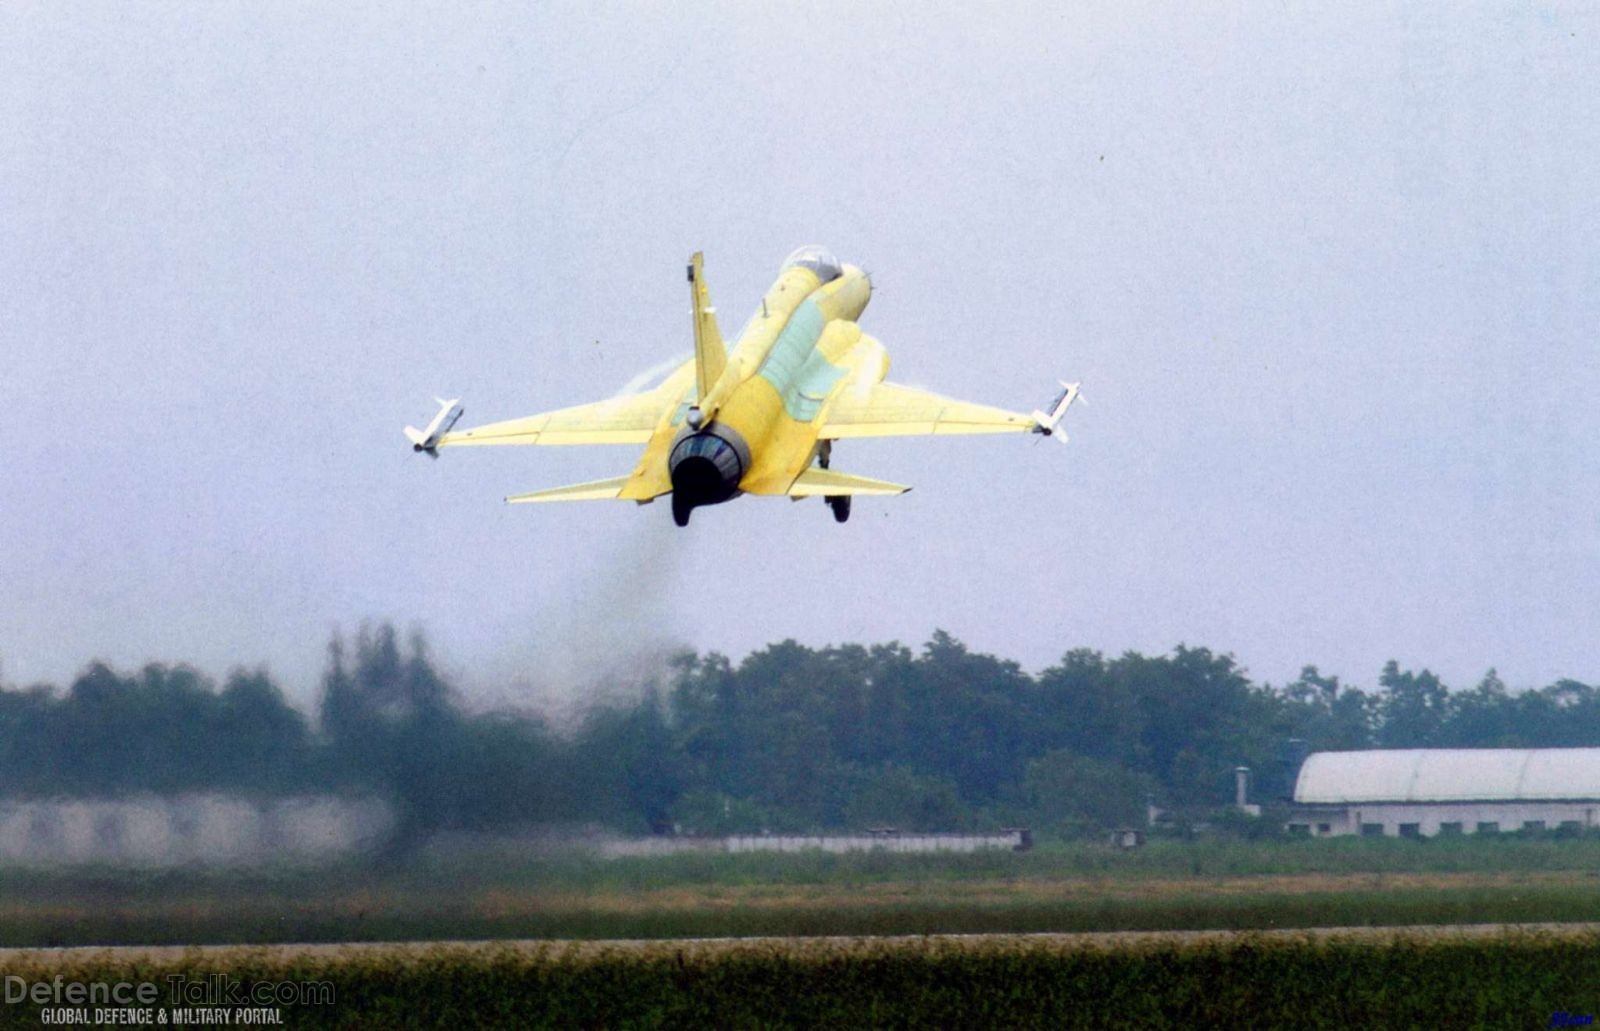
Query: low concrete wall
[875, 842]
[1015, 840]
[205, 829]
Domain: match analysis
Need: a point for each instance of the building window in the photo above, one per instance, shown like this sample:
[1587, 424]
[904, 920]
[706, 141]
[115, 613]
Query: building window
[1411, 830]
[1488, 827]
[1450, 828]
[1324, 828]
[1299, 828]
[1372, 830]
[1533, 825]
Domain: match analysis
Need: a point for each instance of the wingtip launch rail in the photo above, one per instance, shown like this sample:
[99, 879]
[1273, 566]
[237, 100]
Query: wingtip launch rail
[1048, 423]
[427, 440]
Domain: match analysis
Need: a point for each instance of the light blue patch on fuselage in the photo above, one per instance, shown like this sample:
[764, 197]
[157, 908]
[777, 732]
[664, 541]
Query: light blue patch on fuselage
[803, 400]
[794, 345]
[794, 367]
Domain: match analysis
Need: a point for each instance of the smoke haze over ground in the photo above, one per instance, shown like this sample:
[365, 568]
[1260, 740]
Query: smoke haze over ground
[604, 642]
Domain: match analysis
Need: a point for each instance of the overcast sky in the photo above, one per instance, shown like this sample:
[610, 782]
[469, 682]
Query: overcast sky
[1328, 276]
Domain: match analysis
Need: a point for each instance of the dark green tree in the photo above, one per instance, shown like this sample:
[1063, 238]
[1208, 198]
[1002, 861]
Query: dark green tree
[1413, 708]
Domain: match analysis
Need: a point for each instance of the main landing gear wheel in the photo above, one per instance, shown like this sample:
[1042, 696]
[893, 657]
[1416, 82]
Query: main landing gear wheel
[840, 506]
[680, 511]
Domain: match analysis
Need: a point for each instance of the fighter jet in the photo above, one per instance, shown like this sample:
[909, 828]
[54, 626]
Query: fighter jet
[762, 417]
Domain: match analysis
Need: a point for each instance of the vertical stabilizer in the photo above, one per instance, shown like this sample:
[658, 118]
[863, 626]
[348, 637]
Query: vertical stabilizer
[710, 356]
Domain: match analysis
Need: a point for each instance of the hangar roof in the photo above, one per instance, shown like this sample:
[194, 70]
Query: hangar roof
[1449, 775]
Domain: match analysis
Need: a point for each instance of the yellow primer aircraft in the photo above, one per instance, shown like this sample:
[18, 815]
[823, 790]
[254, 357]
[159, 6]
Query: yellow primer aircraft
[761, 418]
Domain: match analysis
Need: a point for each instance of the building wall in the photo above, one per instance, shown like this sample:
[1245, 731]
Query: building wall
[1428, 819]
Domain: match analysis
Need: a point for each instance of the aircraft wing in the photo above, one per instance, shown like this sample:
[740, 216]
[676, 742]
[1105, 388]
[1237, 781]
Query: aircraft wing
[890, 410]
[620, 420]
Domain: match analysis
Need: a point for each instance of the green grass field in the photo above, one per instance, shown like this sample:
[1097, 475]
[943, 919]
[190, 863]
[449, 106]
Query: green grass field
[1494, 978]
[479, 895]
[550, 925]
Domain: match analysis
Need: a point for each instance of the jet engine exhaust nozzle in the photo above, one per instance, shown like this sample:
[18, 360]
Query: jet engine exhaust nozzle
[706, 467]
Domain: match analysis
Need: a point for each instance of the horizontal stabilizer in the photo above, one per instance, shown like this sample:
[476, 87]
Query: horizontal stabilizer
[814, 482]
[596, 490]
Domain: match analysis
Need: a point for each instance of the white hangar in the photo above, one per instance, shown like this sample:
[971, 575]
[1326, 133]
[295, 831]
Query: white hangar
[1422, 792]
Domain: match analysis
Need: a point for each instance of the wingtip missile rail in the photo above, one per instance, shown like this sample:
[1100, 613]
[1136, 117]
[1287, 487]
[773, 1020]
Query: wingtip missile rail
[1048, 423]
[427, 440]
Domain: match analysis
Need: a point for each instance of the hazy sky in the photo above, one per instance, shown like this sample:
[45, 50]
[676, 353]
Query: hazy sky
[1328, 275]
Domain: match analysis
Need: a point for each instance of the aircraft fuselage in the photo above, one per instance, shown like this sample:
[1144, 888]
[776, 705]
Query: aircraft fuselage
[768, 404]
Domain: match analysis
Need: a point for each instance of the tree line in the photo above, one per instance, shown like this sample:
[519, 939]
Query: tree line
[790, 738]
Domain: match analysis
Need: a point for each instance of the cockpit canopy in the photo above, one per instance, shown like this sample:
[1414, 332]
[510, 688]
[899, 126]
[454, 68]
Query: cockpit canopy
[818, 259]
